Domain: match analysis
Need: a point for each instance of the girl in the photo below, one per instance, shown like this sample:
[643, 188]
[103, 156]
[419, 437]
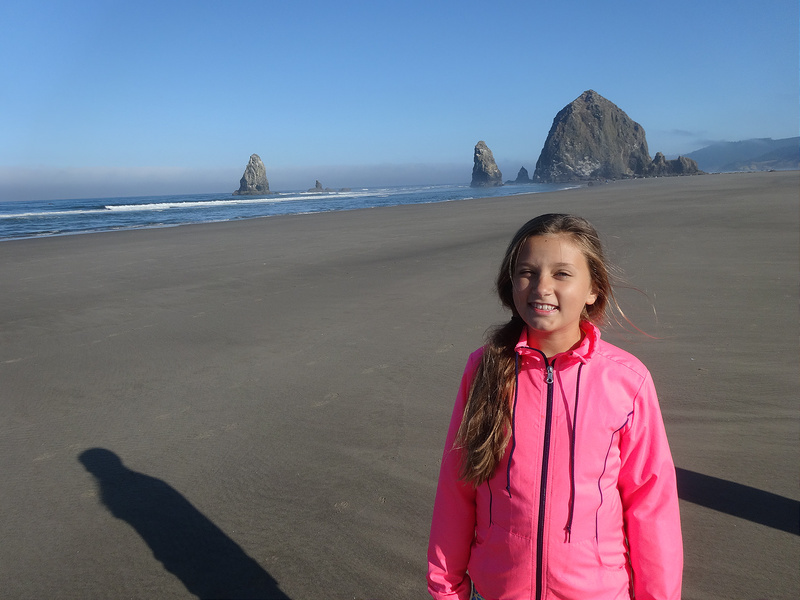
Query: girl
[556, 480]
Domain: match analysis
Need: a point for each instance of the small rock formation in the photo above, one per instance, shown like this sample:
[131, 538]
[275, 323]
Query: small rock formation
[318, 188]
[254, 181]
[484, 171]
[592, 138]
[661, 167]
[522, 177]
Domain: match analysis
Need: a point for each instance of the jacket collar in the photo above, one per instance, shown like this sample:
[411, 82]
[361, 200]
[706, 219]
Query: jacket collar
[582, 353]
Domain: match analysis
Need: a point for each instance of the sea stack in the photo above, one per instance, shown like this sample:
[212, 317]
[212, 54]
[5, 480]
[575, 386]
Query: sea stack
[683, 165]
[592, 138]
[522, 176]
[484, 171]
[319, 189]
[254, 181]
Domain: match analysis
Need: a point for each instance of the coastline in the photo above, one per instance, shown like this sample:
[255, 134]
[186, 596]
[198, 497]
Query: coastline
[20, 220]
[291, 379]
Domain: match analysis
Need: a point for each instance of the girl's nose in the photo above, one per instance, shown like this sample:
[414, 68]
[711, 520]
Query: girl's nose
[543, 286]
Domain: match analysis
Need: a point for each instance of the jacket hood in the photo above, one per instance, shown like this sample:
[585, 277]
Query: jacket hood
[583, 352]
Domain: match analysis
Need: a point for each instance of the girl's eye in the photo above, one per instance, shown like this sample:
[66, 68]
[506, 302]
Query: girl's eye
[562, 274]
[522, 279]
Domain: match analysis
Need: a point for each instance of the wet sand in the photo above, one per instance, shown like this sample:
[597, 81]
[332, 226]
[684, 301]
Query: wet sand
[257, 409]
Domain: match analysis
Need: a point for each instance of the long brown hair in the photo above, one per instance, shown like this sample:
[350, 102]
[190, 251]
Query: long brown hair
[486, 425]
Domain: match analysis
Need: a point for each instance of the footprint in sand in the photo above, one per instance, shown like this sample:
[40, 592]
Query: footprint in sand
[210, 433]
[45, 456]
[373, 369]
[326, 400]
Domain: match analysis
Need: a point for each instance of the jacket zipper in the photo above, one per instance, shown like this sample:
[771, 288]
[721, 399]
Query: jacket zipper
[543, 483]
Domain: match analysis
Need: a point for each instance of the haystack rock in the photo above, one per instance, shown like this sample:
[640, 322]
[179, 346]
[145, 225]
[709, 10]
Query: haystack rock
[592, 138]
[254, 181]
[484, 171]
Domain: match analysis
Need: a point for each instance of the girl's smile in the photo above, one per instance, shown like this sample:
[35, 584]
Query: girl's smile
[552, 287]
[544, 308]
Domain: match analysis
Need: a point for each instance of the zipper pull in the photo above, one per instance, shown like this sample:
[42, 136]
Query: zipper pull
[549, 378]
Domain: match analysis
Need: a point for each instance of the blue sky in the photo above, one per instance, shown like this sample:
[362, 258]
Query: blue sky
[114, 98]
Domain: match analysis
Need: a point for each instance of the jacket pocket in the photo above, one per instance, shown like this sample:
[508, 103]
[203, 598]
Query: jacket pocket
[496, 508]
[611, 549]
[577, 570]
[501, 564]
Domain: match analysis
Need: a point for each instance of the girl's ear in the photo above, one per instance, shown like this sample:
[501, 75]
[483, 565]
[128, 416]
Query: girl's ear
[592, 297]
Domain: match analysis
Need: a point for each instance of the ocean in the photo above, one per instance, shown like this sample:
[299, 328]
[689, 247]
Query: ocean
[27, 219]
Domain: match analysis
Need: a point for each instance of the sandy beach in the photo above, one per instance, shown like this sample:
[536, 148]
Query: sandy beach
[257, 409]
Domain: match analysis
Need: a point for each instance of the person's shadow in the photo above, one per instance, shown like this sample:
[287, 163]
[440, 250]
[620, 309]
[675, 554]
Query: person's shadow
[739, 500]
[208, 562]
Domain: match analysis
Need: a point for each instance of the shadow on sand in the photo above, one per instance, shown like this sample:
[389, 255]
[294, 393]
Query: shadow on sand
[740, 500]
[208, 562]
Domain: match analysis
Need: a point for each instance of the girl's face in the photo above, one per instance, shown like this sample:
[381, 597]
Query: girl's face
[552, 285]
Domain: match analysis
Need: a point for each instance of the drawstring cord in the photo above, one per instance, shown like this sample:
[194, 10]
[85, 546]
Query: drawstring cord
[513, 424]
[568, 528]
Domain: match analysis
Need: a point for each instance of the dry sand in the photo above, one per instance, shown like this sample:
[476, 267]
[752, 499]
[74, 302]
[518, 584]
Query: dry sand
[257, 409]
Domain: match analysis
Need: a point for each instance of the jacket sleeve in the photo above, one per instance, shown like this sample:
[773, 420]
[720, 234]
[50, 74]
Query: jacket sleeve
[649, 494]
[453, 524]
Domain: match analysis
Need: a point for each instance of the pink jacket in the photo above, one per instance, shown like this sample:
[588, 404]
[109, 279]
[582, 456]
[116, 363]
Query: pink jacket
[587, 475]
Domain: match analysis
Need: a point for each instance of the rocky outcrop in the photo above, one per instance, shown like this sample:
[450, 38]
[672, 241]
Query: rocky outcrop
[319, 189]
[592, 138]
[661, 167]
[484, 171]
[254, 181]
[522, 177]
